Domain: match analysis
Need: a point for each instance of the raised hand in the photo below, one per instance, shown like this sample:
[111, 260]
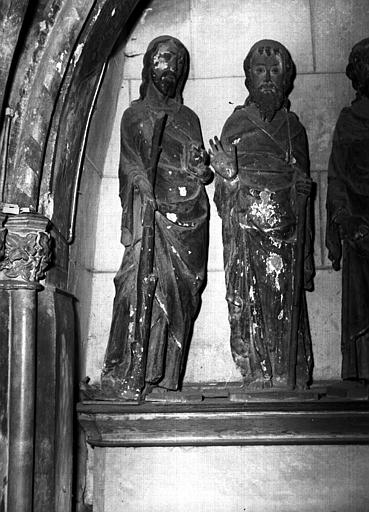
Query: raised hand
[222, 163]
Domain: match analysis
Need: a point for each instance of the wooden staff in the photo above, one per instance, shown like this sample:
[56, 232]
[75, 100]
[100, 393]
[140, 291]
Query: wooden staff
[146, 279]
[298, 288]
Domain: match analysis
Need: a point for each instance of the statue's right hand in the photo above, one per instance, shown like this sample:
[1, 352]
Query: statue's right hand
[353, 227]
[222, 163]
[146, 191]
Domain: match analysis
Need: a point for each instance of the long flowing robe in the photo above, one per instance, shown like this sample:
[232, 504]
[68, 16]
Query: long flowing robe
[180, 245]
[348, 196]
[258, 210]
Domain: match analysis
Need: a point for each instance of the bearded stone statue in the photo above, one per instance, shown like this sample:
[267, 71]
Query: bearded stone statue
[347, 236]
[261, 191]
[162, 173]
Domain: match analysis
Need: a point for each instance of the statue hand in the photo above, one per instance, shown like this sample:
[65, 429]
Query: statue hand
[145, 190]
[352, 227]
[222, 163]
[303, 185]
[198, 156]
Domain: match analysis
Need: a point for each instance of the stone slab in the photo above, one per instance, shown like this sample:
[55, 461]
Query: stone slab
[84, 245]
[111, 164]
[105, 113]
[233, 478]
[223, 33]
[101, 308]
[210, 356]
[324, 308]
[214, 100]
[336, 26]
[318, 99]
[109, 251]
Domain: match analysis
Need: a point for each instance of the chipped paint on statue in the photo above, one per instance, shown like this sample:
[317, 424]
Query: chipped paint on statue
[262, 169]
[180, 229]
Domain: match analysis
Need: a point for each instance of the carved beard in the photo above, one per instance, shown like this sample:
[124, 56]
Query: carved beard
[165, 82]
[268, 103]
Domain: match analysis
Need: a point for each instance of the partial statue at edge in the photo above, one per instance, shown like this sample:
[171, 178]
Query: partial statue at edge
[263, 200]
[163, 170]
[347, 237]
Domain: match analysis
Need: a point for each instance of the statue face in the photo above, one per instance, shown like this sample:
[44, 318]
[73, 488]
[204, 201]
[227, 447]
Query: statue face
[267, 72]
[266, 87]
[166, 68]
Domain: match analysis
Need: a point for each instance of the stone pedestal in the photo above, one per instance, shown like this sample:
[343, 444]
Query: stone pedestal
[265, 454]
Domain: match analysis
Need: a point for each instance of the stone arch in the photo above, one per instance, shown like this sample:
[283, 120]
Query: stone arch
[54, 84]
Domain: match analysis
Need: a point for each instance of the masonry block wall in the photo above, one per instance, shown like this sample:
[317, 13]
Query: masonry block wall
[218, 35]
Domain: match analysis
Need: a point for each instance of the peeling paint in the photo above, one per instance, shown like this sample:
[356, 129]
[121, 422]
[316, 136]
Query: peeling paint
[48, 205]
[77, 53]
[162, 306]
[274, 265]
[171, 216]
[145, 13]
[264, 209]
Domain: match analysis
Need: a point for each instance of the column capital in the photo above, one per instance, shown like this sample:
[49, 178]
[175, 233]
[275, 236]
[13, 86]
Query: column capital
[25, 247]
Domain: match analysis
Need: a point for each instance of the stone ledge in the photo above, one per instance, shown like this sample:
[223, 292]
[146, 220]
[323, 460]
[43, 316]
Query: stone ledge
[114, 424]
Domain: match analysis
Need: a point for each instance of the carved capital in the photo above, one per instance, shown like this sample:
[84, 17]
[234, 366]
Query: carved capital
[28, 249]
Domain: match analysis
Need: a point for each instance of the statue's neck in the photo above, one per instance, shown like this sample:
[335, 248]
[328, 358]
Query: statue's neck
[157, 101]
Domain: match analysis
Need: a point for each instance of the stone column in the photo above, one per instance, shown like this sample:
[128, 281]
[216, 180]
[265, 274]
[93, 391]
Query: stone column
[26, 256]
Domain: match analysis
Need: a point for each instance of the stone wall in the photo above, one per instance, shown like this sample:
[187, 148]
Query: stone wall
[218, 34]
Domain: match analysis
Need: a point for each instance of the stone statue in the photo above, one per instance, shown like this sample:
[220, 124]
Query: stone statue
[163, 170]
[261, 192]
[348, 216]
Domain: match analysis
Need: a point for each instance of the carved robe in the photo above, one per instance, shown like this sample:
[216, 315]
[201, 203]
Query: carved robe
[181, 241]
[258, 210]
[348, 196]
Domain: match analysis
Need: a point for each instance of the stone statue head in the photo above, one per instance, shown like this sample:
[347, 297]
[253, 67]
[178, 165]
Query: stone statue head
[358, 67]
[269, 71]
[165, 65]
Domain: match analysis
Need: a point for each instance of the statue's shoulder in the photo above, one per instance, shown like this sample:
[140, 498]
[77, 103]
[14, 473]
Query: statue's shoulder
[133, 115]
[188, 113]
[350, 126]
[240, 113]
[295, 125]
[294, 119]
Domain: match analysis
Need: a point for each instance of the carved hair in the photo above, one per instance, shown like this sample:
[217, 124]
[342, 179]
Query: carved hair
[147, 62]
[358, 67]
[269, 46]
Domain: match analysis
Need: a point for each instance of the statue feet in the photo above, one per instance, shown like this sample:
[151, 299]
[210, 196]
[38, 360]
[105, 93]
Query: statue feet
[258, 383]
[120, 389]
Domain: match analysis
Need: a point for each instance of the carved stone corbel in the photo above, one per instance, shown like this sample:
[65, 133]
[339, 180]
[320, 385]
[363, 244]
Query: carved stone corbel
[25, 253]
[27, 249]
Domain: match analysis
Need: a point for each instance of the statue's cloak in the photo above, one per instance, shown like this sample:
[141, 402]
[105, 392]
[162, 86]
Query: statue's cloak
[348, 195]
[258, 211]
[181, 240]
